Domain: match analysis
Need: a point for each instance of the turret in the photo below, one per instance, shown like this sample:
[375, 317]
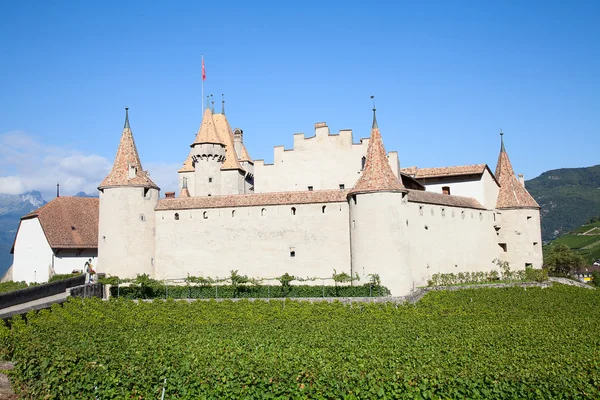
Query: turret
[519, 236]
[378, 208]
[208, 155]
[126, 222]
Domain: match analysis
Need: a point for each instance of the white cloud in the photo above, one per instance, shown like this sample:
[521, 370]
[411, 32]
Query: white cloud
[27, 164]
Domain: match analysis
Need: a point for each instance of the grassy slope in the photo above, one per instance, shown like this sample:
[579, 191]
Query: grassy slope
[569, 197]
[587, 245]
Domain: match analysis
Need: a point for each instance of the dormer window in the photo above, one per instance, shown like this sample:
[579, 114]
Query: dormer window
[132, 171]
[446, 190]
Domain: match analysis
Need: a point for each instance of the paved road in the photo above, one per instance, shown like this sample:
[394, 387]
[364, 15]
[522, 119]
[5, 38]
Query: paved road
[38, 304]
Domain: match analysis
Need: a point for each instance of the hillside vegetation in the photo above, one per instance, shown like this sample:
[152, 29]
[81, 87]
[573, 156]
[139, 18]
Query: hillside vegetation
[480, 343]
[569, 197]
[584, 241]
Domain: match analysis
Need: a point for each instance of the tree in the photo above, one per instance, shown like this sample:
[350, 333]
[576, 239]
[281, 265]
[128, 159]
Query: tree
[559, 259]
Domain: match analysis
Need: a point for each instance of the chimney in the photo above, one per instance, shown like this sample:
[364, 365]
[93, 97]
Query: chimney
[238, 139]
[522, 179]
[169, 195]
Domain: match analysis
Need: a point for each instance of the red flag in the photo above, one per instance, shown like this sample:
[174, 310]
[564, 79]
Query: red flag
[203, 70]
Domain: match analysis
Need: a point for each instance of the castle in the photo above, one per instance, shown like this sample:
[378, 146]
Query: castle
[328, 203]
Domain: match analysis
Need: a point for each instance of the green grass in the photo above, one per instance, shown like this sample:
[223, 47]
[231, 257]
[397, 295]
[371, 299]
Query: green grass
[473, 343]
[587, 227]
[577, 241]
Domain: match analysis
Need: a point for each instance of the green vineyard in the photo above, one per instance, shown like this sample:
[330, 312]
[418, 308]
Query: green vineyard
[484, 343]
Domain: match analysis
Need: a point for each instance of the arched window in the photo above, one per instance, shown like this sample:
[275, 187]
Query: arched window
[233, 214]
[293, 210]
[363, 161]
[176, 216]
[323, 209]
[262, 212]
[205, 215]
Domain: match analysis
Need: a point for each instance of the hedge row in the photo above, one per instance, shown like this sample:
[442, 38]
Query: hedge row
[258, 291]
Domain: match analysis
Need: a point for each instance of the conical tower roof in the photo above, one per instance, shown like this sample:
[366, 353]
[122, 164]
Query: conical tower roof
[127, 158]
[226, 134]
[377, 175]
[208, 132]
[512, 193]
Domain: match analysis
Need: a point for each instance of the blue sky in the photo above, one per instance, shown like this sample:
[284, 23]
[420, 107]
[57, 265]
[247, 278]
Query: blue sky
[446, 76]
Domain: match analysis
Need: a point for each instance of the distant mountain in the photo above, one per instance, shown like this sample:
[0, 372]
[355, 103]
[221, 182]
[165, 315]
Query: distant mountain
[12, 208]
[83, 194]
[569, 197]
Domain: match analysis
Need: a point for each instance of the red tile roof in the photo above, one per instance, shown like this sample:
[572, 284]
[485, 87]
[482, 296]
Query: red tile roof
[127, 157]
[420, 196]
[377, 175]
[512, 193]
[226, 134]
[208, 130]
[421, 173]
[256, 199]
[69, 222]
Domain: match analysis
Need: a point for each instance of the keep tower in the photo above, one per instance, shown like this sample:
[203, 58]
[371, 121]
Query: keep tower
[126, 221]
[378, 210]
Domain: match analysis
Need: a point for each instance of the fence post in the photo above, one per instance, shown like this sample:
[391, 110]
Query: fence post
[217, 288]
[323, 284]
[268, 290]
[165, 282]
[163, 391]
[118, 288]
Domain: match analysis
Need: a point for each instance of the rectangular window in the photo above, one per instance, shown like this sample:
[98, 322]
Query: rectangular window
[446, 190]
[146, 192]
[342, 186]
[528, 217]
[292, 252]
[528, 266]
[310, 188]
[209, 180]
[503, 247]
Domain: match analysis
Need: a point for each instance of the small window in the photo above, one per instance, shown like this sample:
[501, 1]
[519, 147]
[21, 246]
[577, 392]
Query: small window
[426, 228]
[293, 210]
[480, 216]
[209, 180]
[292, 252]
[363, 161]
[420, 210]
[209, 195]
[503, 247]
[535, 245]
[233, 214]
[176, 217]
[443, 212]
[528, 217]
[262, 212]
[205, 215]
[528, 266]
[142, 218]
[462, 214]
[310, 188]
[147, 194]
[323, 210]
[446, 190]
[342, 186]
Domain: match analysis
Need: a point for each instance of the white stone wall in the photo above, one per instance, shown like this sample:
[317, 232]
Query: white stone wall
[254, 240]
[232, 182]
[323, 161]
[520, 231]
[126, 231]
[67, 260]
[381, 240]
[32, 255]
[482, 188]
[447, 239]
[207, 171]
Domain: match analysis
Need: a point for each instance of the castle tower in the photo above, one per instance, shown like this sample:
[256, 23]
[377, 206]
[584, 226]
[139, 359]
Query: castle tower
[378, 209]
[126, 222]
[232, 173]
[208, 155]
[519, 236]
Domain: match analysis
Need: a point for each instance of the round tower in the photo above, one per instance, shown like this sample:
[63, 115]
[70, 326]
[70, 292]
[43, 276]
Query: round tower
[126, 221]
[208, 155]
[520, 233]
[378, 233]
